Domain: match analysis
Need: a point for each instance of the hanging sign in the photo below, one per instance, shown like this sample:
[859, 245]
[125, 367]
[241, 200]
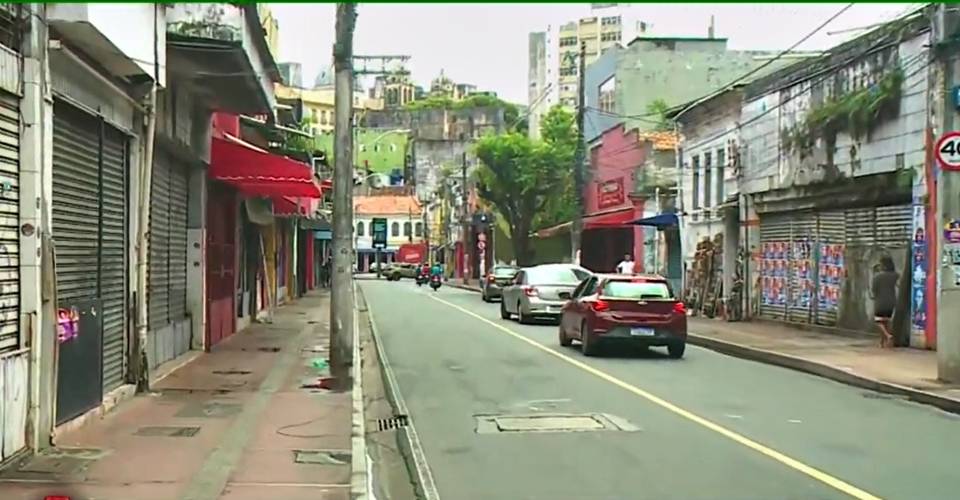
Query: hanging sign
[948, 151]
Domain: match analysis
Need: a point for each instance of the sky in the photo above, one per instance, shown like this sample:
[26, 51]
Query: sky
[486, 44]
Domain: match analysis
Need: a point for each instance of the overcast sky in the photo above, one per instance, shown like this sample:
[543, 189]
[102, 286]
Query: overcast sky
[486, 44]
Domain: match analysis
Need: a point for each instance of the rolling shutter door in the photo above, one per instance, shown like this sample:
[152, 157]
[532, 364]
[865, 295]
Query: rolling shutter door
[179, 201]
[894, 224]
[159, 276]
[800, 267]
[76, 210]
[113, 266]
[9, 222]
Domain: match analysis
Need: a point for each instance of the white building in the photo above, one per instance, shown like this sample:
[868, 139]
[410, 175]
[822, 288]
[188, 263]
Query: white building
[554, 53]
[405, 224]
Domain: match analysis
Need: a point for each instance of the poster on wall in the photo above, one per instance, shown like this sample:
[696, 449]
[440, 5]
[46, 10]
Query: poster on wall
[775, 273]
[918, 271]
[830, 276]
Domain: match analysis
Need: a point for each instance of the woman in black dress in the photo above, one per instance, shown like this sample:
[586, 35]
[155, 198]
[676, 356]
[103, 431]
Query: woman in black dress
[883, 289]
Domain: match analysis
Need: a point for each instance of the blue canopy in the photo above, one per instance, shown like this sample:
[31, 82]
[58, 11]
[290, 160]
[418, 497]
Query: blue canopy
[660, 220]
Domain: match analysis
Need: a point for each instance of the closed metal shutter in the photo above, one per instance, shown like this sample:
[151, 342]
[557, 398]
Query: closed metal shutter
[9, 222]
[90, 225]
[159, 277]
[113, 248]
[179, 201]
[894, 224]
[167, 279]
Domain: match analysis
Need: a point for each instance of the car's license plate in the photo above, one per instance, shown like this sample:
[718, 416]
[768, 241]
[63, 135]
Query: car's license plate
[551, 309]
[642, 332]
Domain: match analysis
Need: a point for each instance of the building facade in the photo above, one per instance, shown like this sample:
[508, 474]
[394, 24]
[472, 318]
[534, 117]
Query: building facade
[405, 224]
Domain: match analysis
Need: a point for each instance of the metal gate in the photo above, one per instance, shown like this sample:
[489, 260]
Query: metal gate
[167, 274]
[9, 222]
[221, 258]
[90, 237]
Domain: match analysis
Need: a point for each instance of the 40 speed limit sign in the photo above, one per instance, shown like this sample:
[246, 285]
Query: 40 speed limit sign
[948, 151]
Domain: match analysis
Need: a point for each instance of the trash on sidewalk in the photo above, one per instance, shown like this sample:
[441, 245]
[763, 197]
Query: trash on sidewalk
[324, 383]
[319, 364]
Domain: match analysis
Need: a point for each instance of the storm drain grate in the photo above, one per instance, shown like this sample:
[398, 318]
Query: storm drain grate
[561, 422]
[231, 372]
[167, 431]
[386, 424]
[321, 457]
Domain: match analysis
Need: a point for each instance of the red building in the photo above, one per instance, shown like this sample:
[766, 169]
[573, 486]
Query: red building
[615, 160]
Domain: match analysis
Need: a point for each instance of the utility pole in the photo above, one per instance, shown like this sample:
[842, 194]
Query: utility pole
[578, 158]
[341, 295]
[465, 221]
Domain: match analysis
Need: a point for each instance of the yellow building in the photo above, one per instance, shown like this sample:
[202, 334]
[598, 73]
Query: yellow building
[599, 33]
[318, 104]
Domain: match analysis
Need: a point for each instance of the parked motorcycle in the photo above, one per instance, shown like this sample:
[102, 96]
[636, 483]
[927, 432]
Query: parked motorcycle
[435, 283]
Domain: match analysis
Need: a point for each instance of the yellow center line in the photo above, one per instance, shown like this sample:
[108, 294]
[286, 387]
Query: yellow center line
[792, 463]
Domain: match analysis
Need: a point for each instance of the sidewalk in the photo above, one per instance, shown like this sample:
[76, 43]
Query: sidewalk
[228, 425]
[856, 361]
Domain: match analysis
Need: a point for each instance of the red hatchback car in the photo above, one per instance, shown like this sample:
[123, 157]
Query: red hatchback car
[639, 309]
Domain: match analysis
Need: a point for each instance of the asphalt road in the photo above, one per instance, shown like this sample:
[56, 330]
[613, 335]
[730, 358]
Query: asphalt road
[708, 426]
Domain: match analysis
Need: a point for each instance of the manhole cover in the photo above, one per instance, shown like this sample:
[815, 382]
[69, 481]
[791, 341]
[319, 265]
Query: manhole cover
[209, 409]
[62, 461]
[167, 431]
[488, 424]
[231, 372]
[321, 457]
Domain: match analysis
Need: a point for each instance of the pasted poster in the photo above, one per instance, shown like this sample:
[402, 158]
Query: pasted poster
[774, 273]
[830, 276]
[918, 272]
[68, 324]
[802, 275]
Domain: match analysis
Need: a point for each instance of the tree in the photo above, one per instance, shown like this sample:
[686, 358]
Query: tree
[529, 182]
[658, 108]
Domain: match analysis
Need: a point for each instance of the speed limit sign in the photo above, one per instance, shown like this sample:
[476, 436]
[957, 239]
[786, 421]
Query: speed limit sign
[948, 151]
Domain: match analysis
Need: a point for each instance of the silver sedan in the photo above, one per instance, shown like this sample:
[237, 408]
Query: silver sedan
[540, 291]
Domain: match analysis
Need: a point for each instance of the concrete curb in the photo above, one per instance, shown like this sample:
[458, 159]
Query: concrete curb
[824, 370]
[407, 439]
[812, 367]
[359, 460]
[461, 286]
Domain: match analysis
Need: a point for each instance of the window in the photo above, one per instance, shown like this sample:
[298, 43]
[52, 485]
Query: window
[707, 180]
[376, 148]
[406, 228]
[610, 20]
[393, 148]
[568, 71]
[395, 229]
[568, 41]
[721, 166]
[696, 182]
[607, 94]
[360, 228]
[552, 275]
[418, 230]
[636, 290]
[613, 36]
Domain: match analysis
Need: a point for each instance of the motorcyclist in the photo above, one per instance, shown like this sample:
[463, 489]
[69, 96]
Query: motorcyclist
[436, 270]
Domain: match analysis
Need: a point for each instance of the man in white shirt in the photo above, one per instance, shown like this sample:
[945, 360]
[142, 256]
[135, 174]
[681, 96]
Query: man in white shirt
[626, 265]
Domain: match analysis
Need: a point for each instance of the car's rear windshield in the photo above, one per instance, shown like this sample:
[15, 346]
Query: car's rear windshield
[637, 290]
[504, 272]
[552, 276]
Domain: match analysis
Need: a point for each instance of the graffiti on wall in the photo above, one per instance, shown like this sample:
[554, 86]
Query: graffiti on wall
[802, 270]
[68, 324]
[830, 272]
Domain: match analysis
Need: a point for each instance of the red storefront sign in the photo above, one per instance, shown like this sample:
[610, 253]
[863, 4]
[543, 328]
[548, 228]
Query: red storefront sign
[610, 193]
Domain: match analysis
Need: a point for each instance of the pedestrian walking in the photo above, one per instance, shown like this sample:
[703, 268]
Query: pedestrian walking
[325, 273]
[626, 266]
[883, 291]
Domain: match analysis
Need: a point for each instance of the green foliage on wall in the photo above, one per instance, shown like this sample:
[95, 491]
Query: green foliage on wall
[511, 112]
[856, 113]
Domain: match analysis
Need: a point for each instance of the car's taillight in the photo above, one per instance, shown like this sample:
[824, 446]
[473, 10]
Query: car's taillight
[490, 278]
[679, 308]
[600, 306]
[56, 497]
[530, 291]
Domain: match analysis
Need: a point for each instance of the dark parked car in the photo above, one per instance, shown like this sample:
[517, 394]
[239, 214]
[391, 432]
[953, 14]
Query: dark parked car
[630, 309]
[499, 277]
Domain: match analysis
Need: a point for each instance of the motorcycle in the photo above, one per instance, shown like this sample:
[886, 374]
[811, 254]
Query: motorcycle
[435, 283]
[422, 278]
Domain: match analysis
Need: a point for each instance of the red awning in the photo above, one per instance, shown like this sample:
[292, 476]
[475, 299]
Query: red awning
[255, 172]
[621, 217]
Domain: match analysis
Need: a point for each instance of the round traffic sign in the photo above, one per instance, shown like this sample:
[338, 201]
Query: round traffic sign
[948, 151]
[482, 245]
